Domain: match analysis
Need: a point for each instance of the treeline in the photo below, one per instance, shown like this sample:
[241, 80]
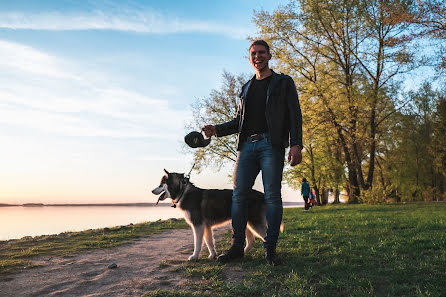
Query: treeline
[353, 62]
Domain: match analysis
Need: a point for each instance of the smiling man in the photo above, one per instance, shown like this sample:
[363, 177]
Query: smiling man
[268, 120]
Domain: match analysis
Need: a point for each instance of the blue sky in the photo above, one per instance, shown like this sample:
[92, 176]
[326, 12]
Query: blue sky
[94, 95]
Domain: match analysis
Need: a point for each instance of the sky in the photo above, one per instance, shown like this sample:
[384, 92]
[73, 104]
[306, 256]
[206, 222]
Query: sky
[94, 95]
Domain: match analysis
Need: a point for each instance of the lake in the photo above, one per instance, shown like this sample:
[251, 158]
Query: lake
[19, 221]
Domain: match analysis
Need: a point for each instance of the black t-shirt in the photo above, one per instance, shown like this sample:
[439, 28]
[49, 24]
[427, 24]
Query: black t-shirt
[255, 119]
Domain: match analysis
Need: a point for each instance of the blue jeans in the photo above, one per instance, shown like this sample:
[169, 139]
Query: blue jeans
[253, 158]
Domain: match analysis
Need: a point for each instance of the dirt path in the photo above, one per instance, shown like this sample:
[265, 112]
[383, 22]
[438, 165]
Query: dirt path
[147, 264]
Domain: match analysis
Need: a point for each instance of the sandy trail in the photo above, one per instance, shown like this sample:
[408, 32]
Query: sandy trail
[147, 264]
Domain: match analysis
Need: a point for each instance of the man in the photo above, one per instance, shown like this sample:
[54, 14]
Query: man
[267, 121]
[305, 191]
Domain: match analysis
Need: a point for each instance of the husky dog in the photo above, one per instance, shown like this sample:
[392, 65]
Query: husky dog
[206, 208]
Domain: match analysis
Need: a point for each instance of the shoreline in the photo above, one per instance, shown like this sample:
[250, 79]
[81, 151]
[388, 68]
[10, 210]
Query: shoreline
[92, 230]
[137, 204]
[83, 204]
[17, 254]
[63, 218]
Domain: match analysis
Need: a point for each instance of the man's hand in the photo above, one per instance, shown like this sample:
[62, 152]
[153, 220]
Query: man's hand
[209, 130]
[295, 155]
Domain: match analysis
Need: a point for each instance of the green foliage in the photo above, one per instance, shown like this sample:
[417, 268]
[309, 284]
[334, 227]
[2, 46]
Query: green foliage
[438, 148]
[377, 194]
[409, 164]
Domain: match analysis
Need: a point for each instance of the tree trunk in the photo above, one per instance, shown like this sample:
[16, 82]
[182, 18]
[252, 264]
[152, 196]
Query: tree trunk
[353, 185]
[336, 197]
[316, 192]
[324, 196]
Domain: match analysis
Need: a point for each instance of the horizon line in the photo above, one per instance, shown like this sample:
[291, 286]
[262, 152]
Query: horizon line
[82, 204]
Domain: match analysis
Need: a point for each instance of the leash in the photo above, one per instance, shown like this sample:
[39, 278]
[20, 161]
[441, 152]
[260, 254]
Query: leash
[185, 182]
[188, 175]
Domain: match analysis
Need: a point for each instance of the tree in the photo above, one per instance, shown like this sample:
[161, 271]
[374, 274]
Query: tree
[219, 107]
[344, 56]
[438, 147]
[348, 59]
[439, 137]
[430, 16]
[321, 162]
[411, 170]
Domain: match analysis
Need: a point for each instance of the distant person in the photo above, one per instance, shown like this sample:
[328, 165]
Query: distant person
[268, 120]
[305, 191]
[312, 202]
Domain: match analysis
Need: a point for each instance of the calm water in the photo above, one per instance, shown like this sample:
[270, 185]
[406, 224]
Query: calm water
[17, 221]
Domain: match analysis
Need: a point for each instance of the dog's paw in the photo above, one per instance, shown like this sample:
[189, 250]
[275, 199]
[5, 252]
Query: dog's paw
[192, 258]
[213, 256]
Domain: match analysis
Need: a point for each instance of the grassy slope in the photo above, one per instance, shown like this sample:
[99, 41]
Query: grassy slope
[345, 250]
[16, 254]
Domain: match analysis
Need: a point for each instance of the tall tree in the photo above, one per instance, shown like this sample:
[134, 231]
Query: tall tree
[344, 55]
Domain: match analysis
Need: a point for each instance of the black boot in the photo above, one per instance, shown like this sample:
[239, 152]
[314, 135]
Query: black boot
[235, 252]
[271, 256]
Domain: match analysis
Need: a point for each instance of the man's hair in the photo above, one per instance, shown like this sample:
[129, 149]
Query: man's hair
[260, 42]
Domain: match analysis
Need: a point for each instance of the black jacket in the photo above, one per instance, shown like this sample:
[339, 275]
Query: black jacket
[283, 114]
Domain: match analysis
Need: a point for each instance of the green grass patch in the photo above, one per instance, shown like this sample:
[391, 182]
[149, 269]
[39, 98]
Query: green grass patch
[338, 250]
[17, 254]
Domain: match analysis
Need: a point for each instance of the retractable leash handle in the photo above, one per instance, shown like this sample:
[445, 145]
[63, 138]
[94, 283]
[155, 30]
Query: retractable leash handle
[196, 139]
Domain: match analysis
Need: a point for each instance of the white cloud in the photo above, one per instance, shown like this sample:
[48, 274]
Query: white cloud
[43, 92]
[23, 58]
[135, 21]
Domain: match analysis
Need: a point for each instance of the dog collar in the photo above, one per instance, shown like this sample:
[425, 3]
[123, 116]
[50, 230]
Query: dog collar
[175, 201]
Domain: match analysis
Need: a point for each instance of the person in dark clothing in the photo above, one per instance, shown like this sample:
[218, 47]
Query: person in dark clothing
[305, 191]
[268, 120]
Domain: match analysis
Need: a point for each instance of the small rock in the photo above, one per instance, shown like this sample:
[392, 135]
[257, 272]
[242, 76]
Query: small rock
[112, 265]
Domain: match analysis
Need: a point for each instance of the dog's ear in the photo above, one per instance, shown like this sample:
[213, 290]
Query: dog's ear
[167, 172]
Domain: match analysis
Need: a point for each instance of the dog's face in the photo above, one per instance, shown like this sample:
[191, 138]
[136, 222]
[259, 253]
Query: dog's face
[172, 184]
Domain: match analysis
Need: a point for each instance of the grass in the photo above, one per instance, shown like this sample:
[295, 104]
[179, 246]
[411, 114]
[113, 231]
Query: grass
[336, 250]
[16, 254]
[342, 250]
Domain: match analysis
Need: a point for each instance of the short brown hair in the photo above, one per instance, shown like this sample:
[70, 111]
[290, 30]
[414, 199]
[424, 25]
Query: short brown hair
[260, 42]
